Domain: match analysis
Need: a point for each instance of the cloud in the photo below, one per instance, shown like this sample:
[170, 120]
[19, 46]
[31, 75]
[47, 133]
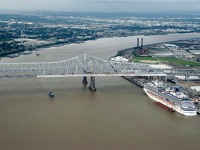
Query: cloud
[140, 1]
[143, 5]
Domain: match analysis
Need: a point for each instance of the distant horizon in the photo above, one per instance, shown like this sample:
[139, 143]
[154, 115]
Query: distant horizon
[192, 12]
[101, 6]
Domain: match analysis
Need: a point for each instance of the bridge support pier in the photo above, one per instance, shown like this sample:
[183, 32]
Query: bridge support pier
[165, 78]
[162, 78]
[92, 84]
[187, 78]
[84, 81]
[150, 78]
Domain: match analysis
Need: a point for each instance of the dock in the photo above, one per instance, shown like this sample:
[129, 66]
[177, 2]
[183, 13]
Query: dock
[135, 81]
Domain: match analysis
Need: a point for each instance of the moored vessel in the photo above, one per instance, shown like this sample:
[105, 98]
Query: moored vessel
[170, 97]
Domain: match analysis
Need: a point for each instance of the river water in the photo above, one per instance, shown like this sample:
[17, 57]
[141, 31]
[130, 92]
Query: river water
[119, 116]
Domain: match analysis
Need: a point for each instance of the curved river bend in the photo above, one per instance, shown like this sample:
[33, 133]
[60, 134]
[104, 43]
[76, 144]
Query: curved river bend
[119, 116]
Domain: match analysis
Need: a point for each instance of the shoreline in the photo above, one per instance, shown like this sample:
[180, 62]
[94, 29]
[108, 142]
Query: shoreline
[174, 37]
[77, 42]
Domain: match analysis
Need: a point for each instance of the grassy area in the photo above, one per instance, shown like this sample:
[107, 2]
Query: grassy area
[179, 61]
[166, 60]
[140, 58]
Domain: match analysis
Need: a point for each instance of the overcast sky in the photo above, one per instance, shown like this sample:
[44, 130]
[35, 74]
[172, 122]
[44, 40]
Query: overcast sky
[102, 5]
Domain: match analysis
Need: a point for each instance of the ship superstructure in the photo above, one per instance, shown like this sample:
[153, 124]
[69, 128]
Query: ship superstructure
[171, 97]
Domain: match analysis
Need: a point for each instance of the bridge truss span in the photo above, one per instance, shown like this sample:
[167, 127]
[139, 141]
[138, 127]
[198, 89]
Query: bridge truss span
[83, 65]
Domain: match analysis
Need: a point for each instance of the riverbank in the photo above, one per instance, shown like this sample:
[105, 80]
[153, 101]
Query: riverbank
[102, 48]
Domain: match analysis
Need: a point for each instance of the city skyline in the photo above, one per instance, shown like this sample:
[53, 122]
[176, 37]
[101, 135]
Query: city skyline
[102, 5]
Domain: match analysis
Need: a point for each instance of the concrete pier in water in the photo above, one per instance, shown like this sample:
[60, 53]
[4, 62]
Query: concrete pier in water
[84, 81]
[92, 84]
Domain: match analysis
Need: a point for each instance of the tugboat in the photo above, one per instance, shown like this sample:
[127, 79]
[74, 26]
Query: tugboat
[51, 94]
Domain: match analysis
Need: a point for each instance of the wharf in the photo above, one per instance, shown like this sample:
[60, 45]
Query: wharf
[137, 82]
[140, 82]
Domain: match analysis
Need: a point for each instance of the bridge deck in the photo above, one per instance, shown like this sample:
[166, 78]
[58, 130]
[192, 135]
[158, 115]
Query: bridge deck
[85, 65]
[98, 75]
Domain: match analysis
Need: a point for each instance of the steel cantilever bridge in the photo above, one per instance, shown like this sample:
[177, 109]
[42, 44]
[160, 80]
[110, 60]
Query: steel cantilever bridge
[83, 65]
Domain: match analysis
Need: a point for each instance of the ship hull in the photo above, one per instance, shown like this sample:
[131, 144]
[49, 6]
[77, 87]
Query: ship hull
[161, 101]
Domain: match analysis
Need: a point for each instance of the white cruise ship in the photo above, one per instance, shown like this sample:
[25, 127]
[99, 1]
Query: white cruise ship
[170, 97]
